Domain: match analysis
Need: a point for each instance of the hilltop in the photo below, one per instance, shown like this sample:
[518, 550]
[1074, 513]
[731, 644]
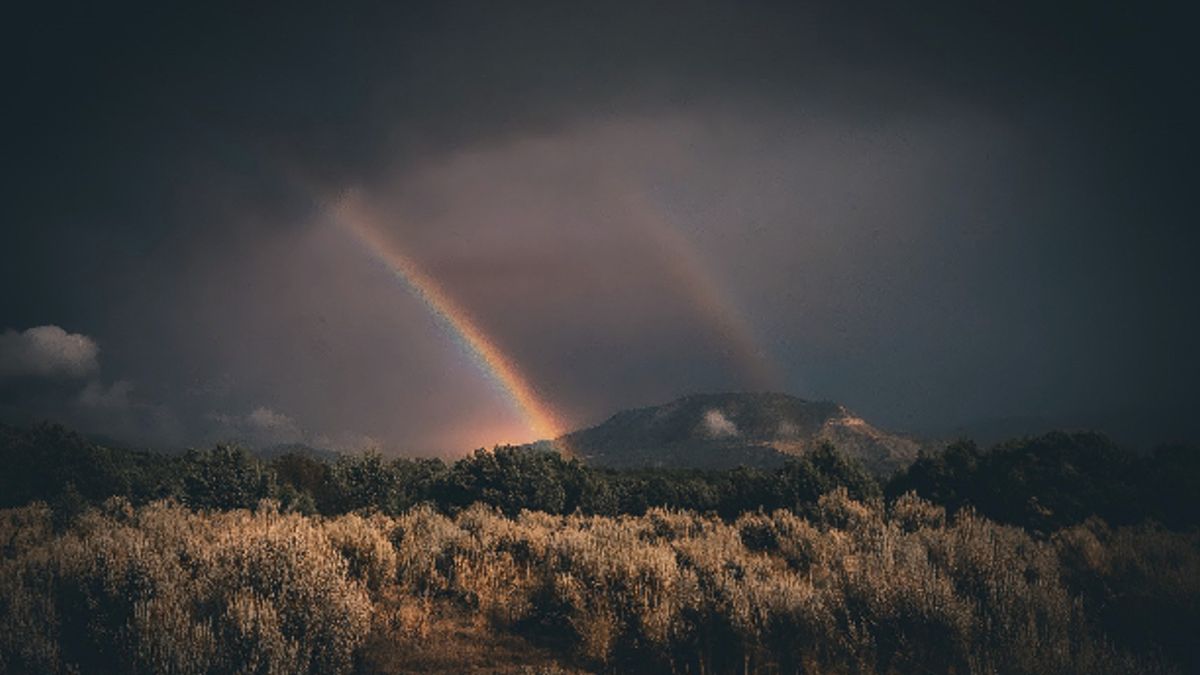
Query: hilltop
[714, 431]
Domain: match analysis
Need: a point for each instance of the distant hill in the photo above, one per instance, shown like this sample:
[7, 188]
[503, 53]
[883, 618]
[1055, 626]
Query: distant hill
[275, 451]
[714, 431]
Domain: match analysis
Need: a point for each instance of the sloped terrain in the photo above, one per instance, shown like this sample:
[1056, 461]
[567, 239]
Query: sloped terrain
[714, 431]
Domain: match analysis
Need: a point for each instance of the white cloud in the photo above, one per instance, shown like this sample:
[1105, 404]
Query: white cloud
[265, 419]
[261, 426]
[717, 425]
[47, 351]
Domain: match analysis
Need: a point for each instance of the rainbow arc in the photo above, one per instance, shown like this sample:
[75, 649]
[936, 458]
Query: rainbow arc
[498, 365]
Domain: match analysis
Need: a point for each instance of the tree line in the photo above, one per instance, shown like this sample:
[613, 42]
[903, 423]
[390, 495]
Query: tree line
[1040, 483]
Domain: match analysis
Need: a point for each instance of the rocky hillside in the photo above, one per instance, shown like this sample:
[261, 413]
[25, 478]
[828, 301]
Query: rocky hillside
[724, 430]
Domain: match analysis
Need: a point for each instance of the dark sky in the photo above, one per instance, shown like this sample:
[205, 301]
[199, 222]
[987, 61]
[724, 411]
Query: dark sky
[933, 213]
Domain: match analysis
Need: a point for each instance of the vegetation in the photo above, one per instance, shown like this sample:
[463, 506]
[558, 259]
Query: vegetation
[1041, 484]
[163, 589]
[1060, 479]
[509, 478]
[1056, 554]
[858, 588]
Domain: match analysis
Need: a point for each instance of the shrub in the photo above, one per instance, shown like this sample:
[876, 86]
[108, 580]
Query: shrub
[1139, 583]
[168, 590]
[858, 589]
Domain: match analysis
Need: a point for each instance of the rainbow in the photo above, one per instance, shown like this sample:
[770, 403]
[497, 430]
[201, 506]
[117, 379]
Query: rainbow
[539, 416]
[683, 262]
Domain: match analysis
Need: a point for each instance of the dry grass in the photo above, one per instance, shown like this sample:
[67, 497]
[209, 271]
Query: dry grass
[452, 640]
[856, 590]
[162, 589]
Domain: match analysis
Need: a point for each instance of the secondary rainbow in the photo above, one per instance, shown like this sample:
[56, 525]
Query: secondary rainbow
[683, 261]
[499, 366]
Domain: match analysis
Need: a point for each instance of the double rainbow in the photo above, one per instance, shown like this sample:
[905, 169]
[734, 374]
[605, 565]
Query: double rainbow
[681, 260]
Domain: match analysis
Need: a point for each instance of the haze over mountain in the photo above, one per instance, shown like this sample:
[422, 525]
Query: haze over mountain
[729, 429]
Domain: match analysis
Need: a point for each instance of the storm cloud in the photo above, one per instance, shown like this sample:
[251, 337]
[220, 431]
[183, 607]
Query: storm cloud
[932, 213]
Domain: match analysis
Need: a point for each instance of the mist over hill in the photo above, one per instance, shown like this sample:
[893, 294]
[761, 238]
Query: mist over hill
[717, 431]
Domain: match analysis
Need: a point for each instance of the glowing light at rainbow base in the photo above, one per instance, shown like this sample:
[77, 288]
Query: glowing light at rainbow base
[542, 421]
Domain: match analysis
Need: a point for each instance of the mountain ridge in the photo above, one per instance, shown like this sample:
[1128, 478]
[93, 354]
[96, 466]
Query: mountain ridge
[723, 430]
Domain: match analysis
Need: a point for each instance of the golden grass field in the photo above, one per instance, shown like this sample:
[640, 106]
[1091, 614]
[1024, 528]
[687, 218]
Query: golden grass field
[858, 589]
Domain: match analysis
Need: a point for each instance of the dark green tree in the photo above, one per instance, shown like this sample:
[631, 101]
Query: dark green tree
[225, 477]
